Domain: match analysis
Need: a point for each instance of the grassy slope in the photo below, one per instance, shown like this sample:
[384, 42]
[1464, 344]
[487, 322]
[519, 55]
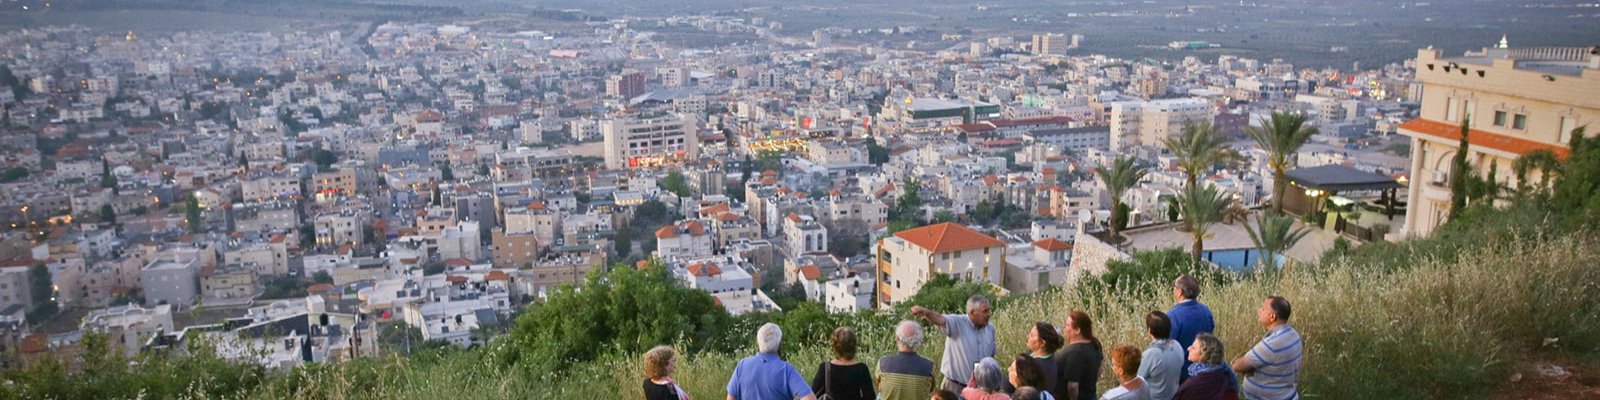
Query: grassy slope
[1437, 328]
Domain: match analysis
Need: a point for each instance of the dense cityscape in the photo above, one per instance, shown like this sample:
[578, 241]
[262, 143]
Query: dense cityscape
[362, 193]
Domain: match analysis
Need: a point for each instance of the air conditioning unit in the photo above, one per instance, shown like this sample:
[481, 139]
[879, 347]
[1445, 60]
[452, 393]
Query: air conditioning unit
[1439, 177]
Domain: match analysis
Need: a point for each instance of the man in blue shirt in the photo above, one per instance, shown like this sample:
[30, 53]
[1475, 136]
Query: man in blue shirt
[764, 376]
[1189, 317]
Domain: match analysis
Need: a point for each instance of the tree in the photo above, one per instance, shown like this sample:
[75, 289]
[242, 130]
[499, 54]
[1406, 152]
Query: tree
[1281, 137]
[1460, 173]
[909, 205]
[1542, 160]
[445, 173]
[108, 214]
[626, 310]
[623, 245]
[877, 155]
[943, 216]
[675, 183]
[1273, 235]
[1198, 150]
[14, 174]
[322, 277]
[1121, 175]
[945, 294]
[324, 158]
[1202, 206]
[1577, 188]
[1160, 267]
[44, 294]
[192, 214]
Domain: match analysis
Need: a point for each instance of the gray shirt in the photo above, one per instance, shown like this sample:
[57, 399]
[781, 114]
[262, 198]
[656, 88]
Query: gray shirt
[1161, 366]
[964, 345]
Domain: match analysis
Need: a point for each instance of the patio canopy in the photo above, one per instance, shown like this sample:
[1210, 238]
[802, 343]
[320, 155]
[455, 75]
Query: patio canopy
[1339, 178]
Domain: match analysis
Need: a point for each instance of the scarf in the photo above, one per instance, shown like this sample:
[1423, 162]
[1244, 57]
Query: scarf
[1197, 368]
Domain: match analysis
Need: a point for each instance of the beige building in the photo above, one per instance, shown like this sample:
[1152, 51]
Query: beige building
[908, 260]
[647, 143]
[231, 281]
[1518, 101]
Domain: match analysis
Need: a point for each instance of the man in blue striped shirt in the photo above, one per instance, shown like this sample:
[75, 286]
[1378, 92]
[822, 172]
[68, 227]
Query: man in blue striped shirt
[1270, 369]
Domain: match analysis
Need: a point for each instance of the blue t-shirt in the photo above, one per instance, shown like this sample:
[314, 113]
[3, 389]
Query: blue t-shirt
[766, 377]
[1189, 318]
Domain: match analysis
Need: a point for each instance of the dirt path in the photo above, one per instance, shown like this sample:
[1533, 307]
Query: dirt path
[1550, 380]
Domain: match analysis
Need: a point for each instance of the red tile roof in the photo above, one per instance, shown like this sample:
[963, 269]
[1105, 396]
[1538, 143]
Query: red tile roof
[811, 272]
[496, 276]
[1510, 144]
[1053, 244]
[948, 237]
[703, 269]
[319, 288]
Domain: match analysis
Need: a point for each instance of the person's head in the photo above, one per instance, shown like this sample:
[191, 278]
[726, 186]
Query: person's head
[1160, 325]
[986, 375]
[768, 338]
[1044, 338]
[1207, 349]
[1125, 362]
[978, 310]
[1026, 393]
[942, 394]
[1080, 326]
[1185, 288]
[1025, 372]
[1273, 311]
[660, 362]
[908, 335]
[843, 342]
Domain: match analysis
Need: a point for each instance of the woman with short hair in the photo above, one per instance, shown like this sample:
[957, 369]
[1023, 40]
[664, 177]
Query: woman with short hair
[987, 382]
[1125, 366]
[659, 364]
[842, 378]
[1209, 377]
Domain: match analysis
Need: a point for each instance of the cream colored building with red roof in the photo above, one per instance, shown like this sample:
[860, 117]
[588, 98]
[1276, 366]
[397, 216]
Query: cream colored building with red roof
[1518, 100]
[908, 259]
[683, 240]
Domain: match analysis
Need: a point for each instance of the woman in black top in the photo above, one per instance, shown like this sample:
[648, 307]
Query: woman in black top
[1081, 359]
[659, 364]
[843, 378]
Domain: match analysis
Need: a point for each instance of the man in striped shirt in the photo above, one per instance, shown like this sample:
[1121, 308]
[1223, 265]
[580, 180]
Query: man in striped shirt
[905, 375]
[1270, 369]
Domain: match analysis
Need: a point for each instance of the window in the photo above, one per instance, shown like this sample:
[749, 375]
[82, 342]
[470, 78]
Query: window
[1450, 110]
[1519, 122]
[1499, 118]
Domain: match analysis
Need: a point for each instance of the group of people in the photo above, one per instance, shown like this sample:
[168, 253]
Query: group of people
[1183, 361]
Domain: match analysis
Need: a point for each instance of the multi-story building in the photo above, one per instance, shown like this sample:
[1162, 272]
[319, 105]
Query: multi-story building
[15, 288]
[848, 295]
[1052, 44]
[271, 187]
[1517, 101]
[1138, 123]
[653, 142]
[343, 227]
[171, 281]
[515, 249]
[229, 282]
[129, 327]
[908, 260]
[687, 239]
[462, 241]
[804, 235]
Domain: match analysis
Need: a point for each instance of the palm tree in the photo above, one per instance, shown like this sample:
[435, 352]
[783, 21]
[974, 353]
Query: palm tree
[1122, 174]
[1274, 234]
[1281, 136]
[1202, 206]
[1198, 150]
